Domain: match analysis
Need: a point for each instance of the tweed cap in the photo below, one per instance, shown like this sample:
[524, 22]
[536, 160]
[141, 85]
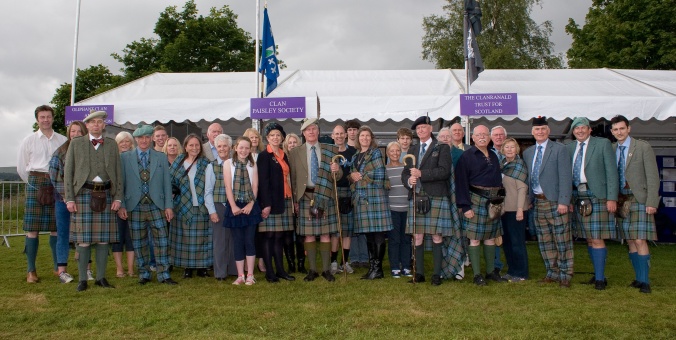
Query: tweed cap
[308, 122]
[95, 114]
[143, 130]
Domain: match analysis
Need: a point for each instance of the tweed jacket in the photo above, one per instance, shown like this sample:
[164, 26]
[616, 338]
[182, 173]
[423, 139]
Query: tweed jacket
[77, 167]
[556, 175]
[435, 167]
[206, 152]
[299, 171]
[600, 167]
[641, 172]
[159, 184]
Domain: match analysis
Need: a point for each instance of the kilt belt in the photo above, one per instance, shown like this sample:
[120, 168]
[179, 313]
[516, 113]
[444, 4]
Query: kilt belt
[486, 192]
[97, 186]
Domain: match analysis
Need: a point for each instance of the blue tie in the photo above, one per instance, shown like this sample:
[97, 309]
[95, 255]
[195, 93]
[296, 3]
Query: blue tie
[422, 153]
[314, 165]
[144, 159]
[145, 188]
[620, 169]
[535, 179]
[577, 167]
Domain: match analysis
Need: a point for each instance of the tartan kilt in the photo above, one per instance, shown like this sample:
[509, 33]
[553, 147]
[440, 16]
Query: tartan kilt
[453, 254]
[480, 227]
[279, 222]
[37, 217]
[638, 225]
[600, 225]
[371, 213]
[309, 226]
[436, 221]
[190, 242]
[87, 226]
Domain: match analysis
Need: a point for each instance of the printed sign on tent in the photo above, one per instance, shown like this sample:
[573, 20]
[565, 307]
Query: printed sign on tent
[277, 108]
[489, 104]
[75, 113]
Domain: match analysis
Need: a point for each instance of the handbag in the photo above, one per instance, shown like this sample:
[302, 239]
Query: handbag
[46, 195]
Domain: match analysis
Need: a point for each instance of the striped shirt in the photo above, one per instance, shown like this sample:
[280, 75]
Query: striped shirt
[398, 194]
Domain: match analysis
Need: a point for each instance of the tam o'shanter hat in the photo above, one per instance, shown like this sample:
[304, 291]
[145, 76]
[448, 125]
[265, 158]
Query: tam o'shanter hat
[143, 130]
[540, 121]
[421, 120]
[95, 114]
[580, 121]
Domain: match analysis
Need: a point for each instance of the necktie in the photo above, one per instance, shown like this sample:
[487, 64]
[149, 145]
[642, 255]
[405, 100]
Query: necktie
[314, 165]
[144, 159]
[620, 167]
[97, 141]
[535, 176]
[577, 167]
[423, 148]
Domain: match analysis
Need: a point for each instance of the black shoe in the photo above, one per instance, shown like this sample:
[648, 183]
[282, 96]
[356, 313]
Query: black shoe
[301, 266]
[592, 281]
[286, 277]
[328, 276]
[82, 286]
[143, 281]
[417, 278]
[169, 281]
[436, 280]
[635, 284]
[220, 279]
[494, 277]
[496, 272]
[600, 284]
[311, 276]
[103, 283]
[645, 288]
[187, 273]
[203, 272]
[479, 280]
[272, 279]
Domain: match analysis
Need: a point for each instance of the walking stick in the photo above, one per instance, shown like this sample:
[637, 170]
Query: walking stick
[412, 157]
[340, 227]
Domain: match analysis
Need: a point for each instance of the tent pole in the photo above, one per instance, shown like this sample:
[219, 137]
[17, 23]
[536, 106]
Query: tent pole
[77, 33]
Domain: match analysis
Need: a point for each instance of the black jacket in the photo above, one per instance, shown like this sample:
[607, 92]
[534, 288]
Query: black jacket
[435, 167]
[270, 182]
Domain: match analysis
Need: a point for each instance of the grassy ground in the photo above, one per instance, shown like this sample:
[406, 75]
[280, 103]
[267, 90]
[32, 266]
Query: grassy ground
[389, 308]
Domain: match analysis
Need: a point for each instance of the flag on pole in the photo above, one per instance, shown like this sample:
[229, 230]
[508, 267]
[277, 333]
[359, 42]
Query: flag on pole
[268, 64]
[472, 28]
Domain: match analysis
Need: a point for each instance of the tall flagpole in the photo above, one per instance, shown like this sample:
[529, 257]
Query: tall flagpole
[77, 33]
[254, 122]
[465, 34]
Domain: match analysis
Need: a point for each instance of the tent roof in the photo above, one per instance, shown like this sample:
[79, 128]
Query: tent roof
[397, 94]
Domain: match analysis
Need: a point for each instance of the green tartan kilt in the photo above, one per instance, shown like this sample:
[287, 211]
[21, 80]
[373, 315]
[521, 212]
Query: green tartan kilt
[190, 242]
[600, 225]
[638, 225]
[371, 213]
[87, 226]
[309, 226]
[38, 217]
[436, 221]
[480, 227]
[279, 222]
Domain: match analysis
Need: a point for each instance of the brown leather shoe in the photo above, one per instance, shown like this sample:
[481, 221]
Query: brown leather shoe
[547, 279]
[32, 277]
[564, 284]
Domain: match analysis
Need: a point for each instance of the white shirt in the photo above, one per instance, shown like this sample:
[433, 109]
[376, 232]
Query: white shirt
[310, 183]
[36, 151]
[538, 189]
[583, 178]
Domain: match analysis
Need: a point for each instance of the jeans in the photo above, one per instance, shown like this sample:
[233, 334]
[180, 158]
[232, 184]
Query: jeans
[514, 244]
[399, 251]
[358, 250]
[62, 233]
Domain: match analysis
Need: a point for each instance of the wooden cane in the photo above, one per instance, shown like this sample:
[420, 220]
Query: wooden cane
[413, 164]
[340, 227]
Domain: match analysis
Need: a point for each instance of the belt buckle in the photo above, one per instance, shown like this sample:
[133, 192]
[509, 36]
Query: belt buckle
[582, 187]
[98, 186]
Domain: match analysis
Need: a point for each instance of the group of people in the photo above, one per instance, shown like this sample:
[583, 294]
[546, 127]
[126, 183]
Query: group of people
[221, 205]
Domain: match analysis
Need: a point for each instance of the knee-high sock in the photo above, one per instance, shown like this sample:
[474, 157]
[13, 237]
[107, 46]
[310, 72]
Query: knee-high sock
[475, 257]
[633, 258]
[420, 259]
[599, 261]
[311, 249]
[325, 252]
[436, 258]
[52, 246]
[346, 255]
[489, 255]
[643, 262]
[31, 251]
[101, 260]
[83, 260]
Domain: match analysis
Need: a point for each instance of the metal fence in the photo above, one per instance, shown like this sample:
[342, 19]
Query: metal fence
[11, 211]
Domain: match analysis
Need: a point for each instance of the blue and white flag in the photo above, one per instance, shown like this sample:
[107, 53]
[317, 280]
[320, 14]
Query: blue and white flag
[268, 63]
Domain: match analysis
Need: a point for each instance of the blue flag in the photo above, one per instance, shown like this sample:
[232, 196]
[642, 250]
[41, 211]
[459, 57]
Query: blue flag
[268, 56]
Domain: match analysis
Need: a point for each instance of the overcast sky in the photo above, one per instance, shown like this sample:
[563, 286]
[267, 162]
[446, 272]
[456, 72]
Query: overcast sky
[38, 35]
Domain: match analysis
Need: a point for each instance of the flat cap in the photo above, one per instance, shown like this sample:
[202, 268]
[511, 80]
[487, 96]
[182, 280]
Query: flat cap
[95, 114]
[307, 122]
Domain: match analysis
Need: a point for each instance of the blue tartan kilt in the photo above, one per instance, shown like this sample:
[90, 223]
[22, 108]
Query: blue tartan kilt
[638, 225]
[310, 226]
[37, 217]
[453, 256]
[190, 242]
[480, 227]
[87, 226]
[436, 221]
[600, 225]
[279, 222]
[371, 213]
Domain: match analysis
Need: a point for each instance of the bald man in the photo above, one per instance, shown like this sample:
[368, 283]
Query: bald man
[457, 137]
[209, 148]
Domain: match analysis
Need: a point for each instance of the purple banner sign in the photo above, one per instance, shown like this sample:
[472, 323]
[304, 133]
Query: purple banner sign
[278, 108]
[74, 113]
[489, 104]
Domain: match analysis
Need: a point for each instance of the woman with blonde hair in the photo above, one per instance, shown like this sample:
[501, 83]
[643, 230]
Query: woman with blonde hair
[125, 142]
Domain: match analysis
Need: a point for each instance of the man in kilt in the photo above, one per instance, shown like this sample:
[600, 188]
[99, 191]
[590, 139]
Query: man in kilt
[429, 180]
[32, 166]
[550, 191]
[313, 196]
[478, 179]
[94, 192]
[147, 204]
[639, 184]
[595, 187]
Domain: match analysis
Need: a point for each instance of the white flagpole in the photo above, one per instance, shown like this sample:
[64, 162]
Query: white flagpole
[254, 122]
[77, 33]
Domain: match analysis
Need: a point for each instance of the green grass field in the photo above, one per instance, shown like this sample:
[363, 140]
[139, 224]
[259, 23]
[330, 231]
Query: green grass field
[383, 309]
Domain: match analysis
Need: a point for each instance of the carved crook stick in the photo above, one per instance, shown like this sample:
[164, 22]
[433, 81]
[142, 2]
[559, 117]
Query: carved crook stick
[340, 227]
[413, 164]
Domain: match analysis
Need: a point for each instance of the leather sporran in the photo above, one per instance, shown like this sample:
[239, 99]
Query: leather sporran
[345, 205]
[496, 207]
[584, 207]
[623, 206]
[46, 195]
[423, 205]
[98, 201]
[315, 212]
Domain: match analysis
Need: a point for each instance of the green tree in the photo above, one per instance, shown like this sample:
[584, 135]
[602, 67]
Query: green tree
[630, 34]
[190, 43]
[510, 38]
[88, 82]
